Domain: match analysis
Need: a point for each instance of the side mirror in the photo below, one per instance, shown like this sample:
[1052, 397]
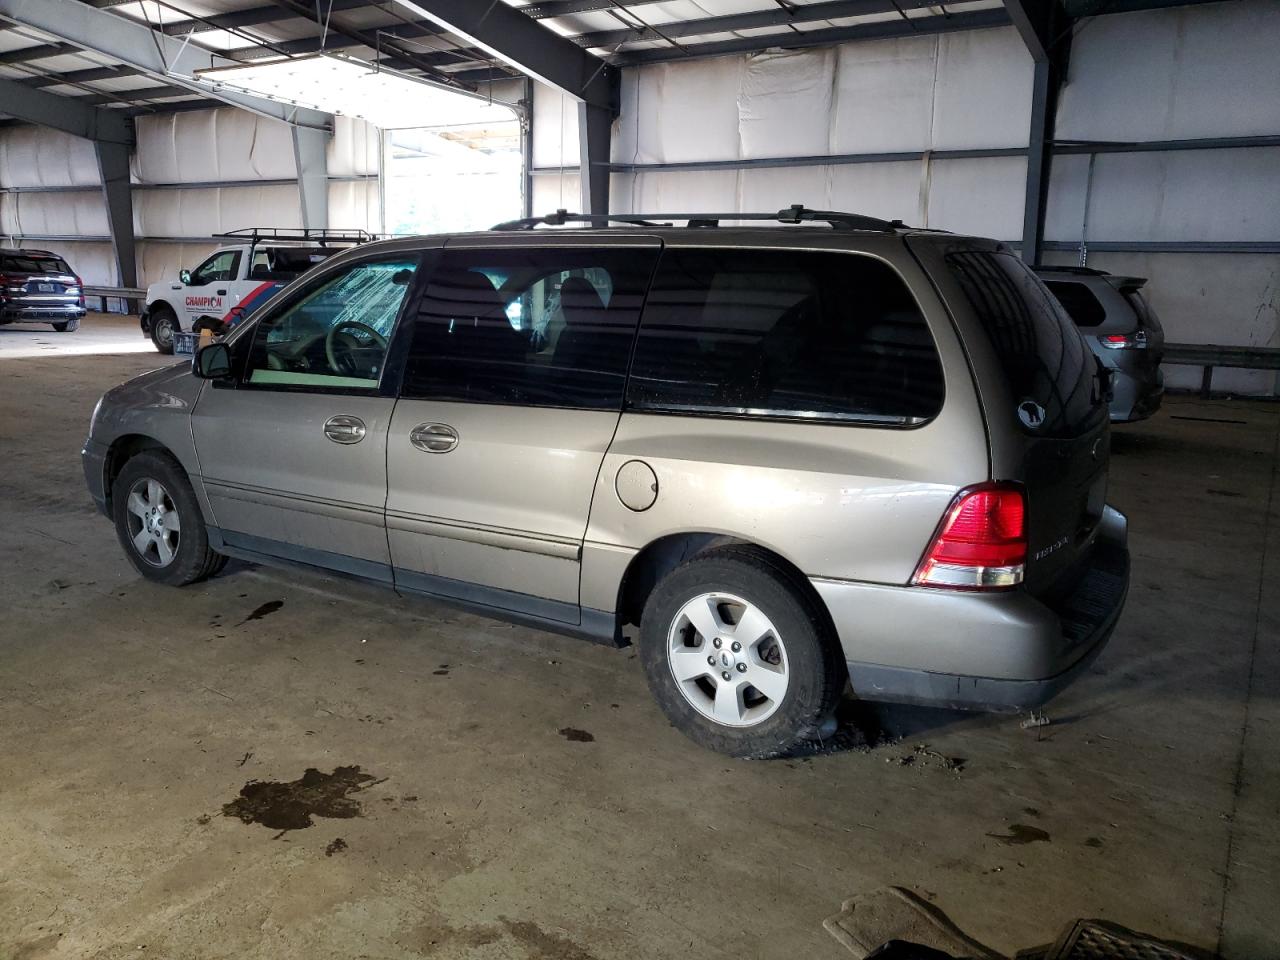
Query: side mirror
[212, 362]
[184, 277]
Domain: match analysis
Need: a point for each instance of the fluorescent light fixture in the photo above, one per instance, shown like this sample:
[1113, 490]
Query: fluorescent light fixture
[339, 84]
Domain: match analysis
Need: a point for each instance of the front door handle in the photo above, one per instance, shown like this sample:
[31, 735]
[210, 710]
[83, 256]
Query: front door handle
[344, 429]
[434, 437]
[222, 293]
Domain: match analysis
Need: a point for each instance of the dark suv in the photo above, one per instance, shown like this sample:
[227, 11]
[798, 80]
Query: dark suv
[36, 285]
[1122, 331]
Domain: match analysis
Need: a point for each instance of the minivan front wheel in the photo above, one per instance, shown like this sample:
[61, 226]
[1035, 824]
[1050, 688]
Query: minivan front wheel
[158, 521]
[737, 656]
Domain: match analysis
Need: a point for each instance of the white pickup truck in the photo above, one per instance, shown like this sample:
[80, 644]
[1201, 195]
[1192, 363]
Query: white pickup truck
[236, 279]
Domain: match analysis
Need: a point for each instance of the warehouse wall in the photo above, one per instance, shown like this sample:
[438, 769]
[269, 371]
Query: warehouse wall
[178, 164]
[1195, 72]
[914, 94]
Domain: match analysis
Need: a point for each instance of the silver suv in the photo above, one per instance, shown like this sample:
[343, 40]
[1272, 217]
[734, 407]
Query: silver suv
[1122, 330]
[794, 457]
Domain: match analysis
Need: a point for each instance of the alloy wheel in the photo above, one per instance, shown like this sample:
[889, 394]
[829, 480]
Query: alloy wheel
[154, 526]
[727, 659]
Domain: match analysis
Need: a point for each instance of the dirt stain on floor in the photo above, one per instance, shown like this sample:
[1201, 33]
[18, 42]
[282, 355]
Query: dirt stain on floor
[265, 610]
[1020, 834]
[290, 806]
[576, 735]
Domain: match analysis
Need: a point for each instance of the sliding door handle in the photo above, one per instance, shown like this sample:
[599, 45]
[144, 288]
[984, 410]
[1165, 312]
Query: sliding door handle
[433, 437]
[344, 429]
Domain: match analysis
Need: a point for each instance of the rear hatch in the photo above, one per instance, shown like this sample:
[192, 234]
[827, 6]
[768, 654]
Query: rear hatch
[1045, 407]
[28, 281]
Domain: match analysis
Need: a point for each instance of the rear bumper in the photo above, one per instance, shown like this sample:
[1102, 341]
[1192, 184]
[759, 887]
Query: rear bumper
[1135, 397]
[43, 313]
[93, 458]
[1000, 651]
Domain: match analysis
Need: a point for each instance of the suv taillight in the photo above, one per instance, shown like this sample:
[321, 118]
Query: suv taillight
[981, 543]
[1125, 341]
[79, 290]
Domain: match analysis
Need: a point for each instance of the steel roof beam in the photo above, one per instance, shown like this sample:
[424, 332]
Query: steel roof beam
[138, 46]
[374, 39]
[774, 17]
[252, 17]
[533, 49]
[916, 26]
[63, 113]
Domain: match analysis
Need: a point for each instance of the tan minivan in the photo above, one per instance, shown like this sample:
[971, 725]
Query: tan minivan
[825, 451]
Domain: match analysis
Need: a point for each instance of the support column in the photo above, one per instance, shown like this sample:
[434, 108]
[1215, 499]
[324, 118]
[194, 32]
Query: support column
[1046, 31]
[526, 148]
[117, 193]
[312, 162]
[595, 128]
[1039, 159]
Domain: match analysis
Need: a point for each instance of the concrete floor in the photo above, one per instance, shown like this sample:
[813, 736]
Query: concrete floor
[99, 333]
[130, 713]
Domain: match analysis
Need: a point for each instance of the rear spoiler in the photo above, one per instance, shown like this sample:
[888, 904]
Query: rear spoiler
[1126, 283]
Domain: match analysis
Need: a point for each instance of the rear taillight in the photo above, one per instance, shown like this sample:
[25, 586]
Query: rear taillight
[80, 290]
[981, 543]
[1125, 341]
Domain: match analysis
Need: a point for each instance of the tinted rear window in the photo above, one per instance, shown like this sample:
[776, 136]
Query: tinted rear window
[529, 327]
[1051, 371]
[784, 333]
[1079, 302]
[34, 265]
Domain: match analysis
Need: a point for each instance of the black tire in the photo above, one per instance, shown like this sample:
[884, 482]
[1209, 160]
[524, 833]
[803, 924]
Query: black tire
[68, 326]
[192, 560]
[164, 323]
[814, 666]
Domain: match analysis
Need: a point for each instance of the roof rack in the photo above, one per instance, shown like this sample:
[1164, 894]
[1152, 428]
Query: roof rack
[297, 234]
[796, 213]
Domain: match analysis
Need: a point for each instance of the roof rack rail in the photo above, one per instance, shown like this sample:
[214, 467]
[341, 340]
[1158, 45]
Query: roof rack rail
[297, 234]
[796, 213]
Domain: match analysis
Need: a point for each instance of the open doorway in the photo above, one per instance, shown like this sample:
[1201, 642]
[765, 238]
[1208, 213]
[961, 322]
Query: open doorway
[452, 178]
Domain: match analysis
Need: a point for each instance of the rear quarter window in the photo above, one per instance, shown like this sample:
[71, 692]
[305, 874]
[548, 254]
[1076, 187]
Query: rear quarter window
[1050, 369]
[780, 333]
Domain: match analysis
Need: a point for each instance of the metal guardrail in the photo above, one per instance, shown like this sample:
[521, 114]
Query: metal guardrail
[124, 293]
[1210, 355]
[132, 296]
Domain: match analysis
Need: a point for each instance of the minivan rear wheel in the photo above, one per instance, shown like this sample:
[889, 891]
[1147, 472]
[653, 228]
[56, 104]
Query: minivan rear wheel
[737, 655]
[158, 521]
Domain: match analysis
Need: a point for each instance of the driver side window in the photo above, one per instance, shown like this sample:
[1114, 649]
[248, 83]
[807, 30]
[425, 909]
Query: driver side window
[334, 335]
[219, 268]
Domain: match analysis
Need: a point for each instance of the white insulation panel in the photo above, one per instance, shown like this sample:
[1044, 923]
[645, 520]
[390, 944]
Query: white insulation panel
[204, 211]
[54, 214]
[39, 157]
[1206, 70]
[904, 95]
[204, 146]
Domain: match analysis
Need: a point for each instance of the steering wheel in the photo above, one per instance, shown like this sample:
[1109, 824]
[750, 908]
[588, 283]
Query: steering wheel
[332, 335]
